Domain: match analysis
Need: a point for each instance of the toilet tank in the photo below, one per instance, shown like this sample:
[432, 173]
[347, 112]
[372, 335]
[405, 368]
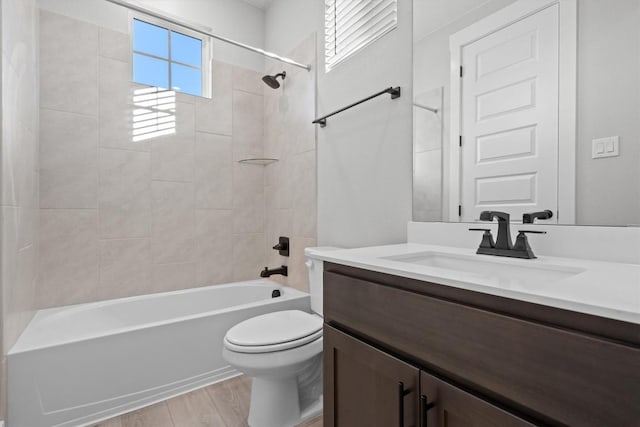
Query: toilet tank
[314, 271]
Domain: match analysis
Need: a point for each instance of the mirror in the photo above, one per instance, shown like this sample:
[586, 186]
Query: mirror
[593, 107]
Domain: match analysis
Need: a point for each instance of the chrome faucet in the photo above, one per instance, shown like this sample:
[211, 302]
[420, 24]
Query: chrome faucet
[503, 246]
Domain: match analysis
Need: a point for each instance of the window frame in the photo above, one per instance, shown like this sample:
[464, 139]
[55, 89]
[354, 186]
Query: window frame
[206, 68]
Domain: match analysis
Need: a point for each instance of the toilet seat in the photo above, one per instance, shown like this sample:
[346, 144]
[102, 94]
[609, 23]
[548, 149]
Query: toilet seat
[277, 331]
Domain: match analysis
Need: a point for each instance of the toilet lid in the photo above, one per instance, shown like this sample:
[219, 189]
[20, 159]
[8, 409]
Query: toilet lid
[279, 330]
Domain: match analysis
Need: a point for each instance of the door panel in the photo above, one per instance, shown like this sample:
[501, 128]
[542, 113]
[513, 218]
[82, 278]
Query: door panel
[362, 385]
[509, 119]
[453, 407]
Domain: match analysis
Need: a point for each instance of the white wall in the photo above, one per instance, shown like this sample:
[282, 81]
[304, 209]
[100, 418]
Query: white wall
[364, 154]
[608, 190]
[233, 19]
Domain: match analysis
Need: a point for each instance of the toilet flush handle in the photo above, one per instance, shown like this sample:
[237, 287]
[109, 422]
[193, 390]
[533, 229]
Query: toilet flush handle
[309, 264]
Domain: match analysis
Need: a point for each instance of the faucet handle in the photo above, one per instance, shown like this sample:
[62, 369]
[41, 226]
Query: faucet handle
[530, 217]
[522, 244]
[487, 237]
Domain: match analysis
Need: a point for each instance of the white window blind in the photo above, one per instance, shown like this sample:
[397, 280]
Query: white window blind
[351, 25]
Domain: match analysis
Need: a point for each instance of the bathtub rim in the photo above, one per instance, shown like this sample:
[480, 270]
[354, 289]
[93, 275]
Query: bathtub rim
[19, 347]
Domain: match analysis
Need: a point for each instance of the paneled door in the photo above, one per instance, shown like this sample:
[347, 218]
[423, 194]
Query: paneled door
[509, 119]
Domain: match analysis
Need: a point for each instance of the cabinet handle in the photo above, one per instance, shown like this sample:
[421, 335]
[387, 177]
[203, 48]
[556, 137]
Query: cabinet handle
[424, 408]
[401, 394]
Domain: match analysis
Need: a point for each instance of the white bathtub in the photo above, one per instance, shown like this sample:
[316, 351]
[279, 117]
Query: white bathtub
[80, 364]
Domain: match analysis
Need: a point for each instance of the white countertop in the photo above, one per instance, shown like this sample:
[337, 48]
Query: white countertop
[606, 289]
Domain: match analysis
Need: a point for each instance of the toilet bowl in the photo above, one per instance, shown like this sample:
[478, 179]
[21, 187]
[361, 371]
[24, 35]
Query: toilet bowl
[282, 352]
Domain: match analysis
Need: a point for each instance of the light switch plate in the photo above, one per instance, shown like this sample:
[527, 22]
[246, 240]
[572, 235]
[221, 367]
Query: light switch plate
[605, 147]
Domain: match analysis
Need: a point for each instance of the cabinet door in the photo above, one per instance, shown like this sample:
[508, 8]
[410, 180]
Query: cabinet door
[364, 386]
[443, 405]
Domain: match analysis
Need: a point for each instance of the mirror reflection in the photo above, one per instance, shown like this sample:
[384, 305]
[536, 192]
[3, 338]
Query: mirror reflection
[523, 106]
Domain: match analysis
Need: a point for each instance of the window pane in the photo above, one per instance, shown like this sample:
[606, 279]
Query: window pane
[185, 49]
[150, 39]
[150, 71]
[186, 79]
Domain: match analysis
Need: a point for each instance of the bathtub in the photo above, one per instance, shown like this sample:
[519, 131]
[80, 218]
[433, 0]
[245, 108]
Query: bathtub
[80, 364]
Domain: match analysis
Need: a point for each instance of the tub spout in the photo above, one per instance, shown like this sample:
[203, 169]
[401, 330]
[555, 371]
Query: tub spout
[269, 272]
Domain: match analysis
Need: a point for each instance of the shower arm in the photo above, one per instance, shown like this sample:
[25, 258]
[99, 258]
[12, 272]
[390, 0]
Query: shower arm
[173, 21]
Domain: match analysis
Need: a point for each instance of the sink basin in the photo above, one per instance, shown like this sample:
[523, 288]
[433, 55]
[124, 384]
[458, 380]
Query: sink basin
[488, 270]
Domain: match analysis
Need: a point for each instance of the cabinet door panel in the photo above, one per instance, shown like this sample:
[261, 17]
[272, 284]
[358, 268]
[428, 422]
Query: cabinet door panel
[362, 385]
[453, 407]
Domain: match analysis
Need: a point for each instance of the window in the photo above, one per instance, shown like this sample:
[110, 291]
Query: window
[350, 25]
[169, 58]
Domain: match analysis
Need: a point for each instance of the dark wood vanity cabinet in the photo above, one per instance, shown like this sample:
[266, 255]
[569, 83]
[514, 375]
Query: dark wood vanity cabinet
[377, 389]
[365, 386]
[395, 346]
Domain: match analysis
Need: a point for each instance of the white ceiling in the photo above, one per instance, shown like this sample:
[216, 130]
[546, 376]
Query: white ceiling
[260, 4]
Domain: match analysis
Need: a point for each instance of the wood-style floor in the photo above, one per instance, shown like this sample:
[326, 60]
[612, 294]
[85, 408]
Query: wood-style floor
[224, 404]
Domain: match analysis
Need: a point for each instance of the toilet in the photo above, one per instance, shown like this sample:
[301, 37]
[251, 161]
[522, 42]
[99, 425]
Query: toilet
[282, 352]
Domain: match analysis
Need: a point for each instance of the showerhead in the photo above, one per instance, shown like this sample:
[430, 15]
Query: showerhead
[272, 81]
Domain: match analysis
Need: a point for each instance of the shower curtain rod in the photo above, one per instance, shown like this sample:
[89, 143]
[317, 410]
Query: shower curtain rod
[205, 33]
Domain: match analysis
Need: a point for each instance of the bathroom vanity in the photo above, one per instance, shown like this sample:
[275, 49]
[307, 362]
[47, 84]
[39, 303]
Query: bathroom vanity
[404, 350]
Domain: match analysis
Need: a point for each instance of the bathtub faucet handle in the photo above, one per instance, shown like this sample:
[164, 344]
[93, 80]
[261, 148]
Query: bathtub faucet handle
[283, 246]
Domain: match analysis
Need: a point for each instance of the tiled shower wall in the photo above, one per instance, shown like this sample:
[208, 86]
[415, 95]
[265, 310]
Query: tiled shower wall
[290, 183]
[121, 218]
[18, 172]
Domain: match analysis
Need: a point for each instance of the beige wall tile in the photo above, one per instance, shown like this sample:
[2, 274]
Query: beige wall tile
[215, 115]
[116, 106]
[248, 198]
[68, 64]
[247, 125]
[279, 223]
[174, 276]
[298, 277]
[125, 268]
[172, 156]
[68, 272]
[214, 250]
[214, 173]
[114, 45]
[173, 237]
[283, 183]
[248, 80]
[304, 194]
[68, 160]
[248, 256]
[125, 194]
